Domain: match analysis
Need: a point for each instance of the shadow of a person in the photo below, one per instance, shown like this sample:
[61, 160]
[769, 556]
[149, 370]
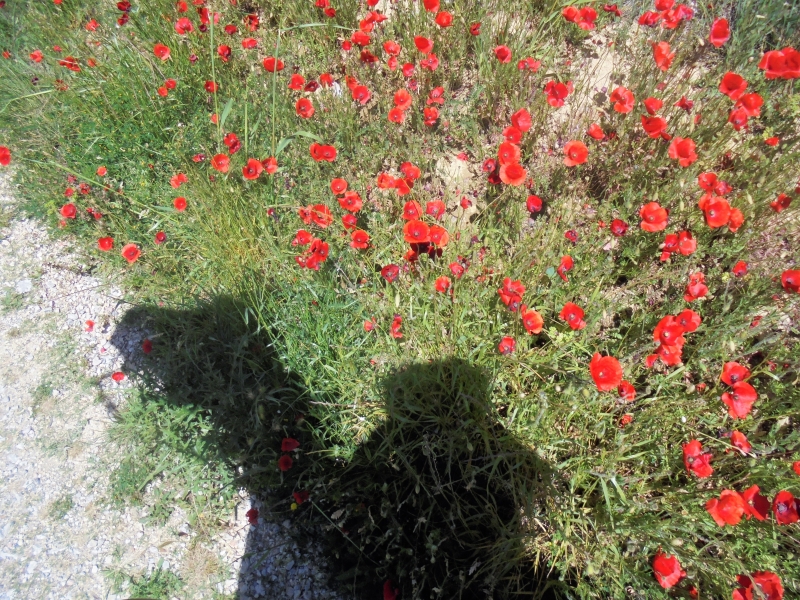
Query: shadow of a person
[442, 500]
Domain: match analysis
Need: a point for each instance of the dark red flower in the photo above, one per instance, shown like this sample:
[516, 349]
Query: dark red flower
[696, 288]
[533, 204]
[475, 29]
[211, 87]
[179, 203]
[252, 516]
[397, 322]
[685, 104]
[272, 64]
[618, 227]
[285, 462]
[784, 506]
[289, 444]
[780, 203]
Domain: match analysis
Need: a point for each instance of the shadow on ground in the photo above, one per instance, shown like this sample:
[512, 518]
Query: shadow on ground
[441, 500]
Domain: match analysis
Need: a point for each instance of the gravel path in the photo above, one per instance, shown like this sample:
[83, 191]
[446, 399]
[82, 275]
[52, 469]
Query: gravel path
[59, 536]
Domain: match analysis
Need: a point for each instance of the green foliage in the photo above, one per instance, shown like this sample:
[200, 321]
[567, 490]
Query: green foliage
[158, 584]
[431, 460]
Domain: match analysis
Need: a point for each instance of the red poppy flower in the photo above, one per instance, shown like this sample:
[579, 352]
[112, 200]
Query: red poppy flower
[669, 332]
[774, 63]
[252, 516]
[626, 391]
[606, 372]
[696, 288]
[71, 63]
[221, 163]
[513, 174]
[531, 320]
[739, 269]
[361, 94]
[296, 82]
[780, 203]
[289, 444]
[105, 243]
[741, 400]
[359, 239]
[751, 104]
[790, 280]
[442, 284]
[444, 19]
[131, 252]
[717, 212]
[503, 54]
[612, 8]
[654, 217]
[423, 44]
[596, 132]
[390, 273]
[68, 211]
[557, 92]
[623, 100]
[655, 127]
[416, 232]
[720, 32]
[394, 329]
[160, 238]
[662, 55]
[533, 204]
[321, 152]
[253, 169]
[575, 152]
[683, 150]
[738, 118]
[456, 269]
[118, 376]
[618, 227]
[689, 320]
[739, 440]
[161, 51]
[435, 208]
[396, 115]
[784, 506]
[351, 201]
[521, 120]
[360, 38]
[439, 236]
[696, 461]
[685, 104]
[732, 85]
[36, 56]
[511, 293]
[338, 186]
[224, 52]
[573, 315]
[767, 587]
[302, 238]
[272, 65]
[321, 215]
[728, 509]
[304, 108]
[507, 345]
[285, 462]
[733, 372]
[565, 265]
[796, 466]
[653, 105]
[667, 570]
[179, 203]
[210, 87]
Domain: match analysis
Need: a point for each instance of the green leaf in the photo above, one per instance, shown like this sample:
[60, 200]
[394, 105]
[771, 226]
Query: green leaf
[225, 112]
[282, 145]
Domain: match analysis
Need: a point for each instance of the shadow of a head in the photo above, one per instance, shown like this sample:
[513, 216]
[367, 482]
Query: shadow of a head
[442, 495]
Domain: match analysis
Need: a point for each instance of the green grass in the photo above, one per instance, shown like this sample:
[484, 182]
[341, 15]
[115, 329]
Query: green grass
[157, 585]
[60, 508]
[432, 460]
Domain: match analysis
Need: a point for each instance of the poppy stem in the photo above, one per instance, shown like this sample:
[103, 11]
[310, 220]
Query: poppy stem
[214, 79]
